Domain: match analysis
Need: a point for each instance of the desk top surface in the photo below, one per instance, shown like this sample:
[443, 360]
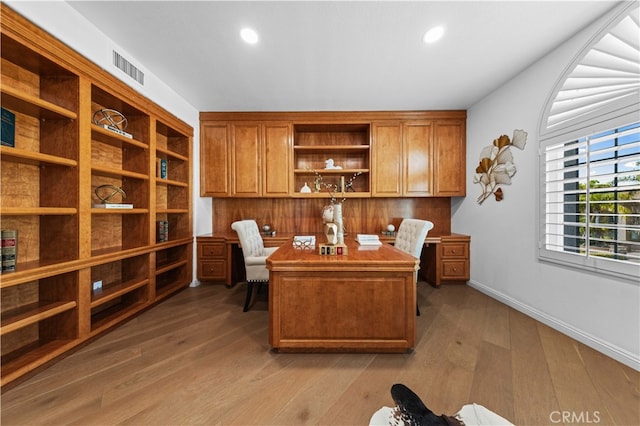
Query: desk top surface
[232, 237]
[384, 257]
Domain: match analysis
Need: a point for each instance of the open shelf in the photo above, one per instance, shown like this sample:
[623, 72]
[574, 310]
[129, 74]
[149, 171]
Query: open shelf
[37, 316]
[34, 158]
[48, 188]
[347, 144]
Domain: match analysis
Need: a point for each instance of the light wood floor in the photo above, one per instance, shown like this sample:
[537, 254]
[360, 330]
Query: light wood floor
[198, 359]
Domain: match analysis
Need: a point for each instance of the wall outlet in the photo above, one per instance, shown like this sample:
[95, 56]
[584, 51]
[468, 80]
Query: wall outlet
[97, 285]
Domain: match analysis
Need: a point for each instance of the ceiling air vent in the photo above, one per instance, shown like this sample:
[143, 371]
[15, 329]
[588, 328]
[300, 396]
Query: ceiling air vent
[128, 68]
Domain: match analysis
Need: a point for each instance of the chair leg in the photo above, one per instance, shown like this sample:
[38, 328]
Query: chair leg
[247, 300]
[417, 310]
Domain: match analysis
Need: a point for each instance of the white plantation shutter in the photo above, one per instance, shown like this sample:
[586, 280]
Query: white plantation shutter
[592, 201]
[590, 156]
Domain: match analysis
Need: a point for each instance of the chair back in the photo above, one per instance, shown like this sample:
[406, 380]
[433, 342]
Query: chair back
[411, 235]
[250, 238]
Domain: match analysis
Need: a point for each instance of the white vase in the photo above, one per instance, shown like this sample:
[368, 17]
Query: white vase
[337, 219]
[305, 189]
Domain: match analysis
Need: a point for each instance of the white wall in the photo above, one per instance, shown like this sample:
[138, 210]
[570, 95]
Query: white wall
[600, 311]
[66, 24]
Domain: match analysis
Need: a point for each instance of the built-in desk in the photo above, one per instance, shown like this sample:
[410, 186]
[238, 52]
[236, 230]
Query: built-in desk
[445, 258]
[361, 302]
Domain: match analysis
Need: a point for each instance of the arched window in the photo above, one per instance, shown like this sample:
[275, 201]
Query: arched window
[590, 155]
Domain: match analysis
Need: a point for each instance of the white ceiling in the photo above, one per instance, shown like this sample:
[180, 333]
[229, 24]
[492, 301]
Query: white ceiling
[337, 55]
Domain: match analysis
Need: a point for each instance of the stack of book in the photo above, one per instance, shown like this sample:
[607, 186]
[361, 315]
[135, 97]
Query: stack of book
[368, 240]
[162, 228]
[9, 249]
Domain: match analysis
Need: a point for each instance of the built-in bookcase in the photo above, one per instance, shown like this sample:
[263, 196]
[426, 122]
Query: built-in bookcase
[347, 144]
[82, 269]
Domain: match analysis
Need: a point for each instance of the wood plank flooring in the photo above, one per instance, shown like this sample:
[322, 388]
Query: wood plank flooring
[197, 359]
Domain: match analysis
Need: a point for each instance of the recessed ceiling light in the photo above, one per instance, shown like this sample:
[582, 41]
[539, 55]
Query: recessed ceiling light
[433, 35]
[249, 35]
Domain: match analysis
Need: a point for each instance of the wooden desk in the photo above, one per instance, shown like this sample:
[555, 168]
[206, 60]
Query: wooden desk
[362, 302]
[445, 258]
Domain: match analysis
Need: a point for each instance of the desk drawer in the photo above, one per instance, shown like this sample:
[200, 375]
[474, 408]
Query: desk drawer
[212, 250]
[450, 250]
[455, 270]
[215, 270]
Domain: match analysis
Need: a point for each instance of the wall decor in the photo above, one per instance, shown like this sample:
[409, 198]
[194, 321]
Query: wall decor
[496, 165]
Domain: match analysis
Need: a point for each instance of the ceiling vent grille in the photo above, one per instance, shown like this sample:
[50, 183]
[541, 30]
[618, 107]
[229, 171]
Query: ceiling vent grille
[128, 68]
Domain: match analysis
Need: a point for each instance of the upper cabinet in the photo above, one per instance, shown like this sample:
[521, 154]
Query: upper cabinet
[345, 154]
[418, 158]
[215, 159]
[449, 158]
[245, 158]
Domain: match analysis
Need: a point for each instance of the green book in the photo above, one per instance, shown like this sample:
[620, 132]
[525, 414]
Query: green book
[8, 131]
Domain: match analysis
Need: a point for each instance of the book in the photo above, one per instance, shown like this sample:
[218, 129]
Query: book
[118, 131]
[113, 206]
[162, 231]
[9, 249]
[162, 168]
[8, 130]
[368, 240]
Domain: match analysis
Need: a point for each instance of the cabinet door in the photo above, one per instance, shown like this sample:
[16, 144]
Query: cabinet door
[246, 160]
[449, 156]
[386, 159]
[417, 158]
[277, 159]
[215, 160]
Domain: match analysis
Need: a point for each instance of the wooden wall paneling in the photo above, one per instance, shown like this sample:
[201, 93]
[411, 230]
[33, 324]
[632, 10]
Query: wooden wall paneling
[303, 216]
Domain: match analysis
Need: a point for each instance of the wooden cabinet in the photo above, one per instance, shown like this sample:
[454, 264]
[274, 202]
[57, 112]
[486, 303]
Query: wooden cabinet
[449, 153]
[245, 158]
[212, 259]
[418, 158]
[276, 152]
[82, 269]
[418, 168]
[447, 261]
[215, 159]
[381, 154]
[387, 159]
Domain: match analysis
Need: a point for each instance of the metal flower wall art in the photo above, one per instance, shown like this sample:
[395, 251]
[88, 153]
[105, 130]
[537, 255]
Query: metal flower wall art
[496, 165]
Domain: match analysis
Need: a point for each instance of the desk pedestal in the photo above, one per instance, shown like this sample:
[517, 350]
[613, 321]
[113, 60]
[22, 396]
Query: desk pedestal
[363, 302]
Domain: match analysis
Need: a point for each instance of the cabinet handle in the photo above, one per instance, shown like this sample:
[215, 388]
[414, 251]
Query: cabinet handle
[453, 251]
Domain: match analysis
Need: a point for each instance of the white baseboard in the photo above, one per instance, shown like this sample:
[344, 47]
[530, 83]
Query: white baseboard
[619, 354]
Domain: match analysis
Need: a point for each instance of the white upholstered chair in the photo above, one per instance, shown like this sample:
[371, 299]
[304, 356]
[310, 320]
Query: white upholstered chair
[410, 239]
[255, 255]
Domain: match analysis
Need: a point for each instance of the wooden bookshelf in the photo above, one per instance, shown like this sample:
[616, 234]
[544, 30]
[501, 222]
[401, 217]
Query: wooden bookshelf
[65, 245]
